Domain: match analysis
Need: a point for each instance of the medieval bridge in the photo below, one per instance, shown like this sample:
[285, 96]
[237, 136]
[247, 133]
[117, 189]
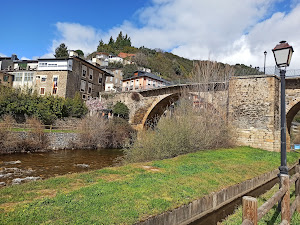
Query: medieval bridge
[251, 104]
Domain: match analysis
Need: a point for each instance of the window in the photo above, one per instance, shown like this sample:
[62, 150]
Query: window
[84, 69]
[52, 65]
[5, 78]
[91, 74]
[82, 86]
[100, 80]
[111, 79]
[55, 81]
[18, 77]
[54, 90]
[43, 78]
[42, 64]
[83, 96]
[28, 77]
[42, 91]
[90, 88]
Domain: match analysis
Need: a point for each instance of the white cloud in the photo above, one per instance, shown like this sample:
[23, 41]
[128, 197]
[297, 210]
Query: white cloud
[75, 36]
[231, 31]
[25, 58]
[2, 55]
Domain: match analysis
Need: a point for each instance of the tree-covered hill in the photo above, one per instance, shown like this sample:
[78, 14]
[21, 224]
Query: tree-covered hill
[165, 64]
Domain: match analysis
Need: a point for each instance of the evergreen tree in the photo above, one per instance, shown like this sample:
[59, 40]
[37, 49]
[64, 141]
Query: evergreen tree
[61, 51]
[101, 46]
[80, 53]
[111, 42]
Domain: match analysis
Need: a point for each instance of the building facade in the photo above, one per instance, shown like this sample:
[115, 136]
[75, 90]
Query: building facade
[6, 79]
[142, 80]
[114, 84]
[65, 77]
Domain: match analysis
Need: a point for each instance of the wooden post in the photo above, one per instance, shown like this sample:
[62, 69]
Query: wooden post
[285, 203]
[50, 128]
[297, 190]
[250, 209]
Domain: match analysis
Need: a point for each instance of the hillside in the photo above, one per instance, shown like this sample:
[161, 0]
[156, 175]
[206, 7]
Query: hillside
[165, 64]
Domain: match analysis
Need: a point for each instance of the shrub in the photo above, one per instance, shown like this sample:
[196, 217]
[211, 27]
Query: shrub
[121, 110]
[93, 132]
[135, 96]
[119, 133]
[97, 132]
[33, 140]
[188, 129]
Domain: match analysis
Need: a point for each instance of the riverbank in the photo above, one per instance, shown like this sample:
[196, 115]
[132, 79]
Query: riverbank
[131, 193]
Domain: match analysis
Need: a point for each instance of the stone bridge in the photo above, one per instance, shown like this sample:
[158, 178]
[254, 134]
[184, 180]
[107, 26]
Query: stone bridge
[251, 104]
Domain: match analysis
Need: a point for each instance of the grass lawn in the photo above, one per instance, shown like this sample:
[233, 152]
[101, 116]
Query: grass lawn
[127, 194]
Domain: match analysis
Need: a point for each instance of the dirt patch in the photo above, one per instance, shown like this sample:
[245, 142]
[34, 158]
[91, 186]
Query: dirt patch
[112, 177]
[151, 168]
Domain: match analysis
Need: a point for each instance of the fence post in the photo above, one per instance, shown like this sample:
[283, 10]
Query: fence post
[250, 209]
[285, 202]
[50, 128]
[297, 189]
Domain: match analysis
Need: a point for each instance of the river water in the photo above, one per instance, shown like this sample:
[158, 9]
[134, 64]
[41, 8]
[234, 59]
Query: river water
[20, 168]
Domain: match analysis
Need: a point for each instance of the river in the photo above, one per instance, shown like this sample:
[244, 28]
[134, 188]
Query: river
[20, 168]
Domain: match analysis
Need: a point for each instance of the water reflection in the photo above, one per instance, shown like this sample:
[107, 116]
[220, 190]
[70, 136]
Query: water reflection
[18, 168]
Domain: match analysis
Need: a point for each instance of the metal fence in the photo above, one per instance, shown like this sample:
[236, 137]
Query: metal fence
[268, 71]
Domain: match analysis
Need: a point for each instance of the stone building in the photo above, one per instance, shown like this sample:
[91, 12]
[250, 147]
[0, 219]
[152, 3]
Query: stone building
[6, 79]
[65, 77]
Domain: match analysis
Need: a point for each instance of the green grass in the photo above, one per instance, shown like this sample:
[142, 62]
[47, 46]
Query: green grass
[127, 194]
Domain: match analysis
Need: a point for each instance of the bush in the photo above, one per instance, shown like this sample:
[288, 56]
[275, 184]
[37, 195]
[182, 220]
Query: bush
[135, 96]
[93, 132]
[33, 140]
[97, 132]
[187, 130]
[119, 133]
[121, 110]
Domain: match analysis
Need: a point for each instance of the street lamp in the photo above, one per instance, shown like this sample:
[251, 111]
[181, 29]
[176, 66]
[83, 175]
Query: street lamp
[265, 52]
[283, 54]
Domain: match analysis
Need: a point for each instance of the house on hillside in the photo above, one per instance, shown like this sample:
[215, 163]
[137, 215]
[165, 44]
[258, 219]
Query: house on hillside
[114, 84]
[142, 80]
[65, 77]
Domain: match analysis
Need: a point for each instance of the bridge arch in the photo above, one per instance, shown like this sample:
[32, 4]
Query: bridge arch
[292, 110]
[159, 106]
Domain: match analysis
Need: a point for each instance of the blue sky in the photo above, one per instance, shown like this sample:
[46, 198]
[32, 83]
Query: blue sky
[231, 31]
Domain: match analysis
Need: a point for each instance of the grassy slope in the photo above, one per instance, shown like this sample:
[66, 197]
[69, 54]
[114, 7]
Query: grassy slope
[127, 194]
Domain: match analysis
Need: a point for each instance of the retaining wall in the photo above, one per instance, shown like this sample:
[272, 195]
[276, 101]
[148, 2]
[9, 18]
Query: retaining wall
[61, 140]
[201, 207]
[56, 140]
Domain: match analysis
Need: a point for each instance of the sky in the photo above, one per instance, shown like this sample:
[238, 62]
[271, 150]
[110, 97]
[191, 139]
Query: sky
[228, 31]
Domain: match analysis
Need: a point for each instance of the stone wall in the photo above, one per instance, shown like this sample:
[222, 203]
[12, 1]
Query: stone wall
[254, 110]
[57, 141]
[62, 140]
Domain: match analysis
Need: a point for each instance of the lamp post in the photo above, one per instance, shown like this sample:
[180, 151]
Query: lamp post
[283, 54]
[265, 53]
